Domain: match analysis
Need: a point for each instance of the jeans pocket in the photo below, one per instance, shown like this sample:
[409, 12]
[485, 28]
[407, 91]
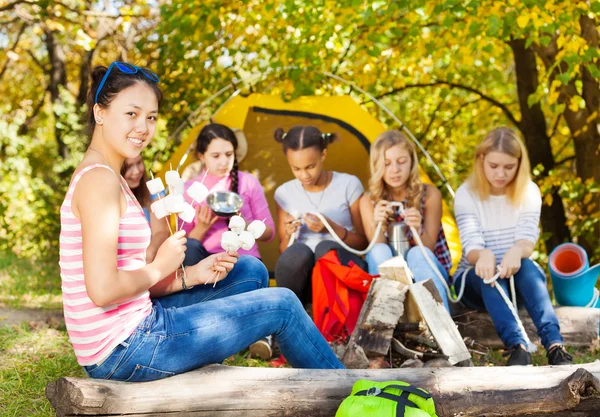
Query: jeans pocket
[144, 373]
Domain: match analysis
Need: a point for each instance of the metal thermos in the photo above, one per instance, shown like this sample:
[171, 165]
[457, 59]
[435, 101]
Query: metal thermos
[397, 239]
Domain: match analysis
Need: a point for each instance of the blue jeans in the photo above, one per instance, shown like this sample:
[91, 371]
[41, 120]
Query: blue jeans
[379, 253]
[422, 270]
[194, 252]
[201, 326]
[530, 285]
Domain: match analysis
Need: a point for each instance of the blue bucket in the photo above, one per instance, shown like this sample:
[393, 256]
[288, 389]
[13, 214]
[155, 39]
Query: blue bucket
[573, 280]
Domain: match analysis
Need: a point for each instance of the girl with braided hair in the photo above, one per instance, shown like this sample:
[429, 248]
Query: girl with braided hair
[215, 147]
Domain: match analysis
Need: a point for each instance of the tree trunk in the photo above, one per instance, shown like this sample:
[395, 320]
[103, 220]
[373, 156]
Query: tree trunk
[232, 391]
[534, 129]
[58, 78]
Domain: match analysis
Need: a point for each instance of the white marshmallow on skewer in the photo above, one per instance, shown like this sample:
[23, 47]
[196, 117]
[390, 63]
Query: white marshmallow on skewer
[230, 241]
[174, 203]
[179, 187]
[237, 224]
[257, 228]
[188, 214]
[155, 186]
[197, 191]
[159, 209]
[247, 240]
[172, 177]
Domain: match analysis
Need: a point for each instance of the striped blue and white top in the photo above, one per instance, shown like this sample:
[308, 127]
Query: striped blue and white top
[495, 223]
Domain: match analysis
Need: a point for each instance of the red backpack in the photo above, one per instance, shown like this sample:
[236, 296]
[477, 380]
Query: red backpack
[339, 292]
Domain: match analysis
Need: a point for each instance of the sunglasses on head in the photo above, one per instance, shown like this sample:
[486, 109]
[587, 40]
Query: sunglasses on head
[125, 68]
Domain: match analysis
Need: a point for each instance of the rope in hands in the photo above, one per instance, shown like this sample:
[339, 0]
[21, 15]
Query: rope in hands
[511, 305]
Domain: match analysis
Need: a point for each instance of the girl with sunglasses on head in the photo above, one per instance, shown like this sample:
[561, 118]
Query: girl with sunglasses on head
[395, 177]
[498, 212]
[216, 146]
[133, 171]
[314, 190]
[133, 320]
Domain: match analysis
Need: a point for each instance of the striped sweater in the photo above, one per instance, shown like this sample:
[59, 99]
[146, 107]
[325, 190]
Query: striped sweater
[95, 331]
[495, 224]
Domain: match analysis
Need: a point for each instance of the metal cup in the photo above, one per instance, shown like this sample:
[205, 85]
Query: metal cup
[397, 239]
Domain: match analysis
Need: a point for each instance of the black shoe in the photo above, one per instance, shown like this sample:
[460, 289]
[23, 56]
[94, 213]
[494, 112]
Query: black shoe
[557, 355]
[518, 356]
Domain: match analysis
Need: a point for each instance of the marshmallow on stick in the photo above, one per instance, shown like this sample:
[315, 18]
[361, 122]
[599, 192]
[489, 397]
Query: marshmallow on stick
[257, 228]
[247, 240]
[174, 203]
[172, 177]
[178, 188]
[230, 241]
[155, 186]
[188, 214]
[197, 192]
[159, 209]
[237, 224]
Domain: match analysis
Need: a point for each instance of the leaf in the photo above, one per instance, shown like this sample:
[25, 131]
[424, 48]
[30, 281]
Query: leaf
[545, 40]
[564, 78]
[522, 21]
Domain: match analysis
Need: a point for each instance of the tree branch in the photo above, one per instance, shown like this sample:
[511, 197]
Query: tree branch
[555, 127]
[5, 67]
[482, 95]
[25, 126]
[14, 4]
[568, 158]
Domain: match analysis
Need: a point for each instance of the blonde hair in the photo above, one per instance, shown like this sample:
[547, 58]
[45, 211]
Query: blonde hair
[377, 187]
[504, 140]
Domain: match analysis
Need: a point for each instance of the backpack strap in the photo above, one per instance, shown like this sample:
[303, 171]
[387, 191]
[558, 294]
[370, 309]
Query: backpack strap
[401, 400]
[411, 389]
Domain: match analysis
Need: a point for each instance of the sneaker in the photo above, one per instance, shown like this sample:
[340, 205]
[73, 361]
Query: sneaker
[557, 355]
[518, 356]
[262, 348]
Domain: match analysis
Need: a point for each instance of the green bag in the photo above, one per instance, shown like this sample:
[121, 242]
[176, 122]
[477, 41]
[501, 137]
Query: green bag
[386, 399]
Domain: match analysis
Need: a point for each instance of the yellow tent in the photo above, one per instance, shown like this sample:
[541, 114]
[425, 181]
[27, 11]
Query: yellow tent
[258, 115]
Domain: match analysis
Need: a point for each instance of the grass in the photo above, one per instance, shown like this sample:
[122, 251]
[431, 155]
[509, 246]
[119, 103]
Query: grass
[32, 354]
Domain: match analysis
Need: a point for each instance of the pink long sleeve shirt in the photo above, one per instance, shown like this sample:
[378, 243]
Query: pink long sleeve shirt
[255, 208]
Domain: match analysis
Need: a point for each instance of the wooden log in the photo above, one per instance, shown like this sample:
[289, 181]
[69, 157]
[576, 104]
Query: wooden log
[443, 329]
[378, 317]
[233, 391]
[396, 269]
[578, 326]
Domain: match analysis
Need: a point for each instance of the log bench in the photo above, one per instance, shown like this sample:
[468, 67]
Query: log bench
[216, 390]
[579, 326]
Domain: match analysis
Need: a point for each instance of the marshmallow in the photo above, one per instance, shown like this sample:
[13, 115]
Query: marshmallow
[247, 240]
[172, 177]
[188, 214]
[179, 187]
[155, 186]
[159, 209]
[197, 191]
[237, 224]
[257, 228]
[174, 203]
[230, 242]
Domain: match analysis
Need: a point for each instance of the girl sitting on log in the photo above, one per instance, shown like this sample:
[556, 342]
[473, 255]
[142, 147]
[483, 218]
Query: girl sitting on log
[133, 171]
[130, 320]
[215, 147]
[314, 190]
[498, 211]
[395, 178]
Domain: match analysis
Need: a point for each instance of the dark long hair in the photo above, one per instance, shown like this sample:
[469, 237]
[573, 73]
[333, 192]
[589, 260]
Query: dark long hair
[141, 192]
[302, 137]
[116, 82]
[218, 131]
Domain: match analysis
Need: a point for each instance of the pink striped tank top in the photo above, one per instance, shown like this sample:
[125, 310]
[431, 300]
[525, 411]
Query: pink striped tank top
[95, 331]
